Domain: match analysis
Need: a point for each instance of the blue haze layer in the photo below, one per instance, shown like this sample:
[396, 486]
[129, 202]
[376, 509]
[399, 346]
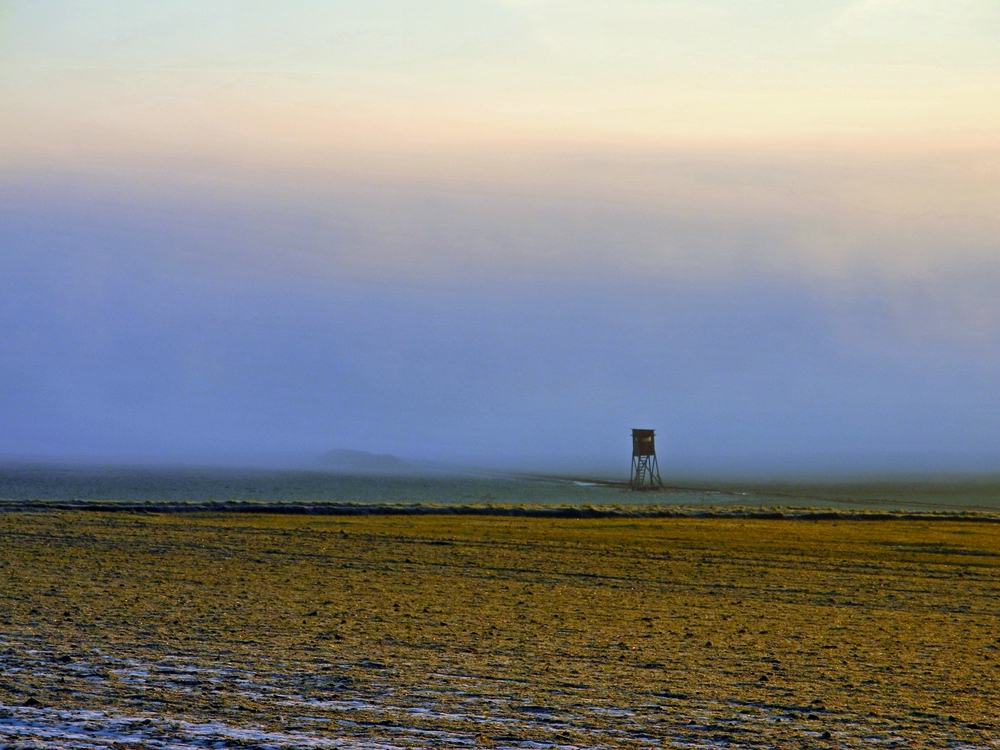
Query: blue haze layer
[221, 333]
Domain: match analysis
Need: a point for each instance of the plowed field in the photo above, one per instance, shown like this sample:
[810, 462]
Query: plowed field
[179, 630]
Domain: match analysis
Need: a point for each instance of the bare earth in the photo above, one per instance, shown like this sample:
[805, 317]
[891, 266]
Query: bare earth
[178, 630]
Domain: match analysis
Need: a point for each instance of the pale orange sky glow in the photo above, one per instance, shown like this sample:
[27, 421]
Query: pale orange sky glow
[487, 72]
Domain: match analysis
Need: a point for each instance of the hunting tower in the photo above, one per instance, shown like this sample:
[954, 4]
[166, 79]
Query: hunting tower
[645, 471]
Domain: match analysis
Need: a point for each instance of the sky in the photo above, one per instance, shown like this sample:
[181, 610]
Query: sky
[502, 232]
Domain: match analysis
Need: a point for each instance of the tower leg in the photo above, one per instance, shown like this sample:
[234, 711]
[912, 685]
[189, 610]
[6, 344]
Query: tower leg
[645, 473]
[654, 474]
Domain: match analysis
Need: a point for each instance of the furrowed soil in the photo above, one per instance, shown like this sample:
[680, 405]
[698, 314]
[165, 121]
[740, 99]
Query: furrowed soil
[240, 630]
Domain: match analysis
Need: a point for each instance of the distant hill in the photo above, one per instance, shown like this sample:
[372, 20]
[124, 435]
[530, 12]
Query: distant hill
[343, 461]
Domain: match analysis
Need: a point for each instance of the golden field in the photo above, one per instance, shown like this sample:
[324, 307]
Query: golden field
[441, 630]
